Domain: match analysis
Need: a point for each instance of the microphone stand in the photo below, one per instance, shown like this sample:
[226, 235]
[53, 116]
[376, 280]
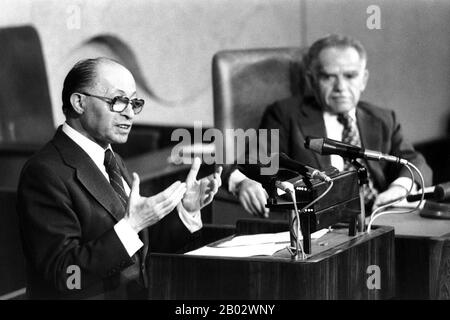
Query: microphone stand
[362, 180]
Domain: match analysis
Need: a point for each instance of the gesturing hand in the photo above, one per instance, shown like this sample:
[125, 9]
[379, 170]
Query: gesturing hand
[201, 192]
[143, 212]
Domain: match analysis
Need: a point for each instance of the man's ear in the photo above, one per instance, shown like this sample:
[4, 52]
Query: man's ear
[310, 80]
[77, 102]
[365, 79]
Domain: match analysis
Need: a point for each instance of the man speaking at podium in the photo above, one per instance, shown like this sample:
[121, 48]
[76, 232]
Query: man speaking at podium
[86, 230]
[337, 74]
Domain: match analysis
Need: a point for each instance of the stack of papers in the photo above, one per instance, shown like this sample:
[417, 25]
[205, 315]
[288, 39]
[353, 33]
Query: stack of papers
[264, 244]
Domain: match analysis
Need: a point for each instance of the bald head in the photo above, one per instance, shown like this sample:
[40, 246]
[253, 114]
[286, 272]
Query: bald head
[102, 100]
[85, 74]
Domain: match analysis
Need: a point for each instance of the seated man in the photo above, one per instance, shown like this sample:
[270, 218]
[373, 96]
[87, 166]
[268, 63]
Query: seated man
[336, 71]
[86, 230]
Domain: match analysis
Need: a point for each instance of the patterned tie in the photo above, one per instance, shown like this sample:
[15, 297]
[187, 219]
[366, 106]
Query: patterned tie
[350, 135]
[115, 178]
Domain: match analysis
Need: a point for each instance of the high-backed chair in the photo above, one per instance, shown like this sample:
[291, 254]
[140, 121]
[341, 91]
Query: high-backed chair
[245, 82]
[12, 260]
[26, 120]
[25, 107]
[26, 123]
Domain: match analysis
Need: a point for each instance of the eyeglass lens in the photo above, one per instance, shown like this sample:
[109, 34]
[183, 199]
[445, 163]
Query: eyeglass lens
[121, 103]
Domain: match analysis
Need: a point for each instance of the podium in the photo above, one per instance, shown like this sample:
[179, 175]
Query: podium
[422, 255]
[341, 267]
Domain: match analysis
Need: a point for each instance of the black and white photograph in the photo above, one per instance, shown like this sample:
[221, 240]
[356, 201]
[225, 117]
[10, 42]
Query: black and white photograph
[224, 158]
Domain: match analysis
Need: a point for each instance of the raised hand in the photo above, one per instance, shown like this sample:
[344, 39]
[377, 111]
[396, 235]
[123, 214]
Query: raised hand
[143, 212]
[201, 192]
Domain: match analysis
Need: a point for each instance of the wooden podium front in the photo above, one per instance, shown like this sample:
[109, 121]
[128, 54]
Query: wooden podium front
[340, 267]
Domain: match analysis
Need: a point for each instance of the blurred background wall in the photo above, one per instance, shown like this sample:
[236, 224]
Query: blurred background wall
[173, 42]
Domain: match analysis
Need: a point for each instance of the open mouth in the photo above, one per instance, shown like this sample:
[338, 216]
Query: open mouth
[124, 126]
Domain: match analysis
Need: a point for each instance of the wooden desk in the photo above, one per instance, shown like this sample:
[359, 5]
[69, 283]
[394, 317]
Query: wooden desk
[339, 272]
[422, 253]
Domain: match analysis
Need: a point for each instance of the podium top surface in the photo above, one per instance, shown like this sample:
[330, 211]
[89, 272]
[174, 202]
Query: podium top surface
[412, 224]
[331, 243]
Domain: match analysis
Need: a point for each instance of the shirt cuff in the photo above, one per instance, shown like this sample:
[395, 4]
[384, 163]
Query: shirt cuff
[128, 237]
[236, 177]
[405, 183]
[192, 220]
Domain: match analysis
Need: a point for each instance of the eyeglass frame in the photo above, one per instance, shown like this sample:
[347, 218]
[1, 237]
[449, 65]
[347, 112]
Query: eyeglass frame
[112, 101]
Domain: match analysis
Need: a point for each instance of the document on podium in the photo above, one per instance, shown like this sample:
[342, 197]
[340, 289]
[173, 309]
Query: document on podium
[264, 244]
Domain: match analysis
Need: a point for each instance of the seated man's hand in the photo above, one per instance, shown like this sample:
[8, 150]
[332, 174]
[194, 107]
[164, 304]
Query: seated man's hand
[143, 212]
[201, 192]
[253, 197]
[393, 193]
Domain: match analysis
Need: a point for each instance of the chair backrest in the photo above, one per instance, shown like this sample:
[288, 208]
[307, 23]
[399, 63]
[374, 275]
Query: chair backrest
[12, 259]
[25, 107]
[26, 119]
[246, 81]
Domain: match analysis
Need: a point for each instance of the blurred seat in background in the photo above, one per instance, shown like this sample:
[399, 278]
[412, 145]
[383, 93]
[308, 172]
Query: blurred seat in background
[26, 123]
[245, 82]
[26, 120]
[12, 260]
[437, 154]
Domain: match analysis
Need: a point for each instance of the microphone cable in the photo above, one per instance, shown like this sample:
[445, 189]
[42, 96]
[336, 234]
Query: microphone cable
[299, 232]
[375, 213]
[330, 186]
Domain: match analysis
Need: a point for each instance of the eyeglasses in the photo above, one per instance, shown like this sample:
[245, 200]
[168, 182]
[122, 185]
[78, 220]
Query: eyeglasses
[120, 103]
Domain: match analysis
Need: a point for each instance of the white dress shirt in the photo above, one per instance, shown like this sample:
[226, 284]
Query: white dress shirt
[128, 237]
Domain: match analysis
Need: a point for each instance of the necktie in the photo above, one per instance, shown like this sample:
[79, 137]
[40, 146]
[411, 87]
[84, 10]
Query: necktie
[115, 177]
[350, 135]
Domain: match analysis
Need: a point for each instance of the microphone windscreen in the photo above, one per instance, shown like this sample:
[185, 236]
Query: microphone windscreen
[314, 144]
[442, 191]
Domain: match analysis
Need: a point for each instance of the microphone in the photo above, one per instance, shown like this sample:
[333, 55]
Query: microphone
[325, 146]
[301, 168]
[441, 193]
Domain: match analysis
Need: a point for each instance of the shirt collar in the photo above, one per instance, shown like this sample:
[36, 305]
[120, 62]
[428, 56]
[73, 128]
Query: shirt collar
[352, 114]
[94, 150]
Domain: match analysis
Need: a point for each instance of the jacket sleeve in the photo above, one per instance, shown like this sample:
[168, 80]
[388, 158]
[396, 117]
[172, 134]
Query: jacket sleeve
[402, 148]
[273, 136]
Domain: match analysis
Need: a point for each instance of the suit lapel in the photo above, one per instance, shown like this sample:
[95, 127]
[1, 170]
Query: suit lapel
[88, 174]
[370, 130]
[311, 124]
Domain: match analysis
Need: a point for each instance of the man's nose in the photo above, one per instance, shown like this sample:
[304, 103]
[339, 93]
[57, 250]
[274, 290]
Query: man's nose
[339, 84]
[129, 112]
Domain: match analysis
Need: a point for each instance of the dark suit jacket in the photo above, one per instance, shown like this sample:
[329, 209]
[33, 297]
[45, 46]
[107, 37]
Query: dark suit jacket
[67, 211]
[297, 118]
